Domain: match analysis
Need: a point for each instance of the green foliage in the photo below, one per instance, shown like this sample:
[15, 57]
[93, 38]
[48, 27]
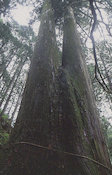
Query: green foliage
[4, 136]
[5, 118]
[4, 129]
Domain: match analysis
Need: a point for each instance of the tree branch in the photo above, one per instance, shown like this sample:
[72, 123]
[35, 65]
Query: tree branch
[97, 70]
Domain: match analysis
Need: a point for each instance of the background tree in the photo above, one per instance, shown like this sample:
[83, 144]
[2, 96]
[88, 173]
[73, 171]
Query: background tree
[15, 56]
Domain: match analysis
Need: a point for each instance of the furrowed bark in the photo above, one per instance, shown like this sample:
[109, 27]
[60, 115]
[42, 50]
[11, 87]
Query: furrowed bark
[81, 126]
[57, 111]
[37, 119]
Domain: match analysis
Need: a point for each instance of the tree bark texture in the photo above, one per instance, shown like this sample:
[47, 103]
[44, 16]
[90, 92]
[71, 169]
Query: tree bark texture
[79, 110]
[57, 110]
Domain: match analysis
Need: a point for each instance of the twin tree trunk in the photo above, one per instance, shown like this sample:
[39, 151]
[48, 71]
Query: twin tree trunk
[57, 110]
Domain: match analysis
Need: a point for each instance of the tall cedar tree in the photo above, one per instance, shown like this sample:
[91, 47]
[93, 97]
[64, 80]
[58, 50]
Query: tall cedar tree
[57, 110]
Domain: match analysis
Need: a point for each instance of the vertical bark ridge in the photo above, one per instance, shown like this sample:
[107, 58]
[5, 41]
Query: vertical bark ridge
[57, 113]
[37, 119]
[79, 110]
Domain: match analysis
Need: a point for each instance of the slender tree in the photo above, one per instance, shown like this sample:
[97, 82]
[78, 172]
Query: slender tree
[9, 95]
[17, 103]
[11, 82]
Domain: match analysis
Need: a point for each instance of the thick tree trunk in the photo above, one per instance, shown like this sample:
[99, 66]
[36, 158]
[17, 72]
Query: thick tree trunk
[81, 126]
[38, 116]
[57, 111]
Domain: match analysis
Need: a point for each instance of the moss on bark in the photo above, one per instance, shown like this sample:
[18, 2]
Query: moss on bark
[57, 109]
[79, 107]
